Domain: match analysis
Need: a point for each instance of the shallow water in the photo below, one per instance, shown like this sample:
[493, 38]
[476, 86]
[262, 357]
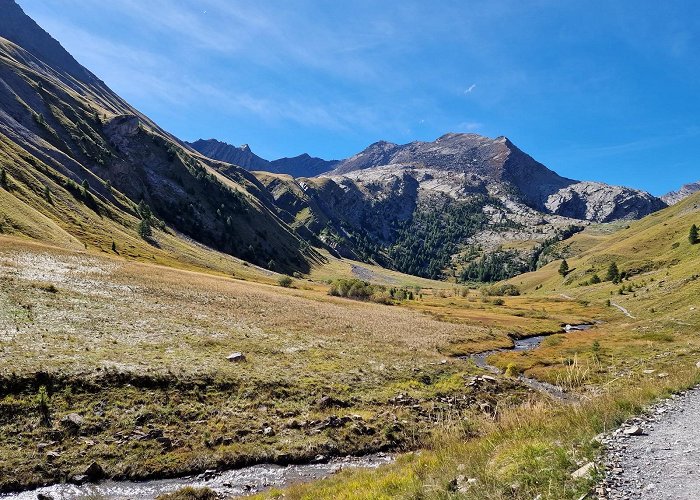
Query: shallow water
[527, 344]
[233, 482]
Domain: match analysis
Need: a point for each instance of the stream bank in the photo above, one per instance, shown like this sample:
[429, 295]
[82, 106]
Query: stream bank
[236, 482]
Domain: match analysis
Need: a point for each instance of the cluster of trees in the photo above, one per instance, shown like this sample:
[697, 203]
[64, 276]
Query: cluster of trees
[495, 266]
[361, 290]
[425, 244]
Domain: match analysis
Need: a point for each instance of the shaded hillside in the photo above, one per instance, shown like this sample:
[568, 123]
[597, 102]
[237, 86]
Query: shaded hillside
[79, 158]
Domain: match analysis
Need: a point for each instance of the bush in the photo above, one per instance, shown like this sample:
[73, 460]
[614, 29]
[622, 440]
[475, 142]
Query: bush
[361, 290]
[498, 302]
[285, 281]
[501, 290]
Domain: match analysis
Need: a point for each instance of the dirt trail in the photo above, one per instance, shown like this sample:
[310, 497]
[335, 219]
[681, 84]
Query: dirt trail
[624, 311]
[663, 462]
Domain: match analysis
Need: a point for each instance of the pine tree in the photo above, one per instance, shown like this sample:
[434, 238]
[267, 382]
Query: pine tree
[47, 194]
[85, 187]
[613, 273]
[145, 229]
[693, 234]
[3, 177]
[564, 268]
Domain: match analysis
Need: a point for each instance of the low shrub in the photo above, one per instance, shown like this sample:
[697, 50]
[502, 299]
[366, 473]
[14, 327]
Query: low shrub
[501, 290]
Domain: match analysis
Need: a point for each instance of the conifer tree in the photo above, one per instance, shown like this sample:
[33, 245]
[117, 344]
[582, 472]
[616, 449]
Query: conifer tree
[693, 234]
[564, 268]
[613, 273]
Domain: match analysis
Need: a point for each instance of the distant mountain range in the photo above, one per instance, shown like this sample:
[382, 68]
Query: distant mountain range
[83, 166]
[298, 166]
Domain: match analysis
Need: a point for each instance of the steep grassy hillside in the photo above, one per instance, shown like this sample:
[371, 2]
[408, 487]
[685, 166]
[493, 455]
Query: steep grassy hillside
[77, 155]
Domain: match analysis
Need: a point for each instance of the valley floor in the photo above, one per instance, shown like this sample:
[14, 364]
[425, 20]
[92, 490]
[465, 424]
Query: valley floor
[125, 364]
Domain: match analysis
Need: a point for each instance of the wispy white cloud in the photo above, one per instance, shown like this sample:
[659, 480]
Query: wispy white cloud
[469, 126]
[470, 89]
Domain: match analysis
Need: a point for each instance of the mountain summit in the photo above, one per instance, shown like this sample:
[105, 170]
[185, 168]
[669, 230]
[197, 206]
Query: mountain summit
[464, 163]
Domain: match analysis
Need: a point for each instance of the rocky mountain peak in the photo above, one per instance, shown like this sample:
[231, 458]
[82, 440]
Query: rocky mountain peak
[686, 190]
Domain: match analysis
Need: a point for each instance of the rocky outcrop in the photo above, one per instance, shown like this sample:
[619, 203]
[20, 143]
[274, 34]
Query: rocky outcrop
[599, 202]
[460, 164]
[675, 196]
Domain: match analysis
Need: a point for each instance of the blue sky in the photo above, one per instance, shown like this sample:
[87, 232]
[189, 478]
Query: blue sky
[595, 90]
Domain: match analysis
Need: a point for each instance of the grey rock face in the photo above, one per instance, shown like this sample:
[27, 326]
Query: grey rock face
[675, 196]
[459, 164]
[599, 202]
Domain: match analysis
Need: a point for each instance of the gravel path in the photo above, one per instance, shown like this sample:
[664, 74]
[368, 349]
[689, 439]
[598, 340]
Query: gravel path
[624, 311]
[663, 462]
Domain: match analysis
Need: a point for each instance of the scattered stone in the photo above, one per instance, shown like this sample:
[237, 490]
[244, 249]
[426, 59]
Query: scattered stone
[165, 442]
[461, 484]
[236, 357]
[330, 402]
[94, 472]
[52, 455]
[268, 431]
[648, 372]
[662, 375]
[79, 479]
[319, 459]
[72, 422]
[43, 446]
[43, 496]
[635, 430]
[584, 471]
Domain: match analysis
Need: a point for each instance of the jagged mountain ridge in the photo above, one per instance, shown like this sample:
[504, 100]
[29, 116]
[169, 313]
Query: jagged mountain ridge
[463, 163]
[60, 127]
[686, 190]
[302, 165]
